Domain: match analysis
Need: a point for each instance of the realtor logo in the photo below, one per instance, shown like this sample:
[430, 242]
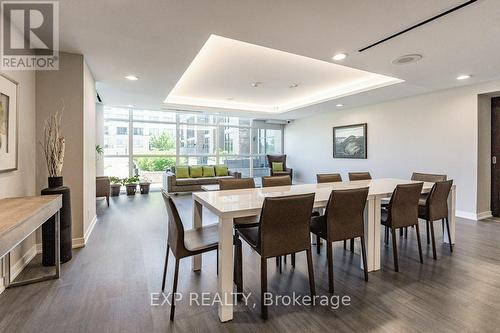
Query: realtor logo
[30, 35]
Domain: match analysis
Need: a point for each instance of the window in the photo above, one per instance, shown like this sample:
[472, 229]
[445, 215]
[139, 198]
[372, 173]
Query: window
[121, 130]
[162, 139]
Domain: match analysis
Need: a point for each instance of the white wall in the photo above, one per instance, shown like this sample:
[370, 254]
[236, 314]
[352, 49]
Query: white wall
[434, 133]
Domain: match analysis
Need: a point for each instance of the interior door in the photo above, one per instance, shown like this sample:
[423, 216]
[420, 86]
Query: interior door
[495, 156]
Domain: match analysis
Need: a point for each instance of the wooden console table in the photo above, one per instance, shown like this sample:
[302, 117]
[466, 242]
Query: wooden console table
[19, 218]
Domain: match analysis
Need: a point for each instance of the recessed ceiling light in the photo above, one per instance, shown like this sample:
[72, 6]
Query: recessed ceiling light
[130, 105]
[407, 59]
[463, 77]
[339, 105]
[294, 85]
[132, 77]
[256, 84]
[339, 56]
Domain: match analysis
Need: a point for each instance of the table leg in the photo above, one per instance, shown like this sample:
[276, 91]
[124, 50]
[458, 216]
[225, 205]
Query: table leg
[6, 281]
[451, 215]
[197, 223]
[57, 244]
[372, 234]
[225, 277]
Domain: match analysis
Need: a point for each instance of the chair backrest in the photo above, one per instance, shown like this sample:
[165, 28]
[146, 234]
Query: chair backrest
[328, 177]
[284, 225]
[359, 176]
[428, 177]
[236, 183]
[345, 213]
[403, 207]
[276, 158]
[269, 181]
[175, 237]
[437, 202]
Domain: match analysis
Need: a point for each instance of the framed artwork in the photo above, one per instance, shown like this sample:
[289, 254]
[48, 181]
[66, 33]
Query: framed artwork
[350, 141]
[8, 124]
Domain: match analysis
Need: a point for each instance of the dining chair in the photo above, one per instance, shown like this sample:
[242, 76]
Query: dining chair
[402, 211]
[343, 219]
[185, 243]
[431, 178]
[269, 181]
[434, 208]
[283, 229]
[239, 222]
[359, 176]
[328, 178]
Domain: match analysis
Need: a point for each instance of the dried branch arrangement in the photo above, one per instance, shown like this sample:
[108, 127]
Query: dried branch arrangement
[53, 144]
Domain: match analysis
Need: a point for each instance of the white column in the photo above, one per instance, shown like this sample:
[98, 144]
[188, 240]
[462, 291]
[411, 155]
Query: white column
[197, 223]
[372, 234]
[225, 278]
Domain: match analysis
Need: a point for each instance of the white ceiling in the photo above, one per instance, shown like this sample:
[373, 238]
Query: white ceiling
[158, 39]
[234, 75]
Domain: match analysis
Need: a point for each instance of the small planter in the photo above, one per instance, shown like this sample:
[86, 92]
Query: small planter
[131, 188]
[144, 188]
[115, 189]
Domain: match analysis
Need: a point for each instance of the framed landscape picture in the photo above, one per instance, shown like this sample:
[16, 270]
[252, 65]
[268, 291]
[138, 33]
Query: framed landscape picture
[350, 141]
[8, 124]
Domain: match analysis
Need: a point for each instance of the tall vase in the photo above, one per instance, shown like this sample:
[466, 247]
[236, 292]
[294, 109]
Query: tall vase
[48, 229]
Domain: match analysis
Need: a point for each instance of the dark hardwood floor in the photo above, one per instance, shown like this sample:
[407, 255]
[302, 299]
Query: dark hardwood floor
[107, 285]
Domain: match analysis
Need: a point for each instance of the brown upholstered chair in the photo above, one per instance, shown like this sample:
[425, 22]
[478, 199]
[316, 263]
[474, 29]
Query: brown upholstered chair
[102, 187]
[270, 181]
[283, 229]
[431, 178]
[359, 176]
[328, 178]
[279, 159]
[435, 207]
[239, 222]
[402, 212]
[185, 243]
[343, 219]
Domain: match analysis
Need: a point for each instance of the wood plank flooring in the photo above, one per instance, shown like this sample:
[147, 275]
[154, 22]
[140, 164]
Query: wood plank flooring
[107, 286]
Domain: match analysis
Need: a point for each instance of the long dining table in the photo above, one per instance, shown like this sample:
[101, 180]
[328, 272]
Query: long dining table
[230, 204]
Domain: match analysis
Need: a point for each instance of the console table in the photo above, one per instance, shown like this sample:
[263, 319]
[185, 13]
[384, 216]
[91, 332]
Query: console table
[19, 218]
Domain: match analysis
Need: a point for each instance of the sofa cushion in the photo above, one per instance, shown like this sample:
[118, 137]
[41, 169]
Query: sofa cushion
[195, 171]
[221, 170]
[182, 171]
[197, 181]
[208, 171]
[277, 166]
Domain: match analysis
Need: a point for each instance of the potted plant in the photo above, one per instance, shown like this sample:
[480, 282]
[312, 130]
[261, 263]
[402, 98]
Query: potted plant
[131, 184]
[144, 185]
[115, 186]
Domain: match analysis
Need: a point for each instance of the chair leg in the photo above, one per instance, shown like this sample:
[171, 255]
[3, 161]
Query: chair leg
[281, 264]
[263, 286]
[165, 269]
[352, 245]
[428, 232]
[406, 232]
[293, 260]
[284, 259]
[345, 245]
[174, 290]
[417, 230]
[107, 200]
[363, 254]
[386, 235]
[394, 250]
[401, 232]
[431, 223]
[277, 261]
[329, 255]
[318, 244]
[312, 286]
[449, 234]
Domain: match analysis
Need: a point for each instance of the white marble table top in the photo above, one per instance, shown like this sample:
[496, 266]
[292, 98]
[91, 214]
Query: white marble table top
[223, 202]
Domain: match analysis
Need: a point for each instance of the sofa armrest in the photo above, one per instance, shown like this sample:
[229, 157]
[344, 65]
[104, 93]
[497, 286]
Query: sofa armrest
[102, 186]
[171, 179]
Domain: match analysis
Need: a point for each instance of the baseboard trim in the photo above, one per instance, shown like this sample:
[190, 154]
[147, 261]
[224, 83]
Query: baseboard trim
[474, 216]
[87, 234]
